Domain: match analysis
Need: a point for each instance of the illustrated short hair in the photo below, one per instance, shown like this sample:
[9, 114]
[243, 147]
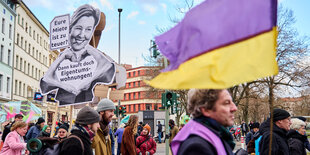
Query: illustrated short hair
[297, 124]
[18, 124]
[198, 98]
[84, 10]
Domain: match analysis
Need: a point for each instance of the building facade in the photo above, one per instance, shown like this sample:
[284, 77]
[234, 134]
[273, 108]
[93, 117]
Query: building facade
[32, 58]
[7, 18]
[138, 96]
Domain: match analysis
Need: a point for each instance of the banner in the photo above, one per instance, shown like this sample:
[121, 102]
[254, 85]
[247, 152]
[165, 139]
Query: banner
[27, 109]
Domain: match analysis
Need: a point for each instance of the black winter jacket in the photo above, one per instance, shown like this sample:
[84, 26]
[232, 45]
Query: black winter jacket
[72, 146]
[279, 140]
[296, 142]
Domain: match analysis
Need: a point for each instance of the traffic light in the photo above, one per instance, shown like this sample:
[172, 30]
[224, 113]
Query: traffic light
[167, 99]
[116, 111]
[122, 111]
[153, 49]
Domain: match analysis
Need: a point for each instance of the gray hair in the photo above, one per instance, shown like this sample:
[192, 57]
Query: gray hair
[297, 124]
[201, 98]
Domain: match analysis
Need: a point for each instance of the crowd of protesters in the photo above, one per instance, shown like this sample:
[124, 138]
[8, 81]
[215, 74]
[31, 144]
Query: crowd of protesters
[212, 113]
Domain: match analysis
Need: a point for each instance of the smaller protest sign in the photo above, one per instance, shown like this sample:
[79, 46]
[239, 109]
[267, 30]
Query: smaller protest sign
[59, 32]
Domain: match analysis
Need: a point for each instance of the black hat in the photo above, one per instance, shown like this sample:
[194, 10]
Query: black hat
[18, 116]
[255, 125]
[40, 120]
[280, 114]
[63, 127]
[87, 115]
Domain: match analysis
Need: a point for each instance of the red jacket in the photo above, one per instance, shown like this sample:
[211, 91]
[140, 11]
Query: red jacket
[149, 145]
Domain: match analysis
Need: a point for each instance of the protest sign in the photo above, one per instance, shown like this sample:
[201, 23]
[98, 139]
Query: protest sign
[59, 32]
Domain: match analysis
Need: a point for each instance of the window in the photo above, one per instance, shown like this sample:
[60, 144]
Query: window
[134, 73]
[40, 41]
[3, 25]
[37, 38]
[3, 11]
[138, 73]
[9, 57]
[10, 31]
[17, 39]
[39, 74]
[1, 53]
[148, 106]
[16, 63]
[32, 71]
[134, 108]
[23, 22]
[25, 46]
[37, 54]
[25, 64]
[129, 96]
[134, 95]
[40, 56]
[30, 31]
[29, 47]
[18, 18]
[34, 34]
[28, 71]
[138, 83]
[20, 88]
[129, 85]
[134, 84]
[1, 76]
[129, 108]
[21, 42]
[36, 73]
[24, 89]
[26, 28]
[139, 108]
[155, 107]
[8, 81]
[139, 95]
[32, 51]
[21, 64]
[15, 92]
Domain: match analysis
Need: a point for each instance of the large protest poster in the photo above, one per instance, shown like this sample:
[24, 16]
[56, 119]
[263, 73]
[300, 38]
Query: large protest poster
[78, 69]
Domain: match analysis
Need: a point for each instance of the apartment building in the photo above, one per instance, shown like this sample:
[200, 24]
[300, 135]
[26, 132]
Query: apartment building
[32, 58]
[7, 18]
[138, 96]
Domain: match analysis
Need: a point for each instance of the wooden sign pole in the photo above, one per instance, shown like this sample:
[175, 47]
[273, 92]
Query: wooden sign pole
[54, 120]
[71, 118]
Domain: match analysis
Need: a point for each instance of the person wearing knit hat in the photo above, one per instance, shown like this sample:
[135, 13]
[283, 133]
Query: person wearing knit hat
[85, 128]
[102, 142]
[45, 132]
[35, 130]
[281, 125]
[145, 143]
[62, 132]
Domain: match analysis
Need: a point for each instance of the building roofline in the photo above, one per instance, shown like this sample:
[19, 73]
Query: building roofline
[31, 14]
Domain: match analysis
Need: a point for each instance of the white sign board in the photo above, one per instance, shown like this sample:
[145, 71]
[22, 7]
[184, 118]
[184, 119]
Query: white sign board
[59, 32]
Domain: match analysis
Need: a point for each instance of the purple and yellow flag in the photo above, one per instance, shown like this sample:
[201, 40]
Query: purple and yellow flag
[219, 44]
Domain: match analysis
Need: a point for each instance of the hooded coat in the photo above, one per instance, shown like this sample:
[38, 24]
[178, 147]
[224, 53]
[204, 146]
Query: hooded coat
[279, 140]
[102, 144]
[145, 143]
[296, 142]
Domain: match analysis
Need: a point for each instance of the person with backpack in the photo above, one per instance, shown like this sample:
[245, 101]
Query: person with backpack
[14, 142]
[281, 125]
[102, 140]
[34, 131]
[250, 135]
[7, 128]
[145, 143]
[82, 133]
[119, 133]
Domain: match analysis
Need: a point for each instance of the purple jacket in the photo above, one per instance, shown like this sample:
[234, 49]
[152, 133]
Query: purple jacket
[12, 144]
[195, 128]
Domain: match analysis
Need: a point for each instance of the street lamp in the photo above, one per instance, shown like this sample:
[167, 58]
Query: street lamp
[119, 52]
